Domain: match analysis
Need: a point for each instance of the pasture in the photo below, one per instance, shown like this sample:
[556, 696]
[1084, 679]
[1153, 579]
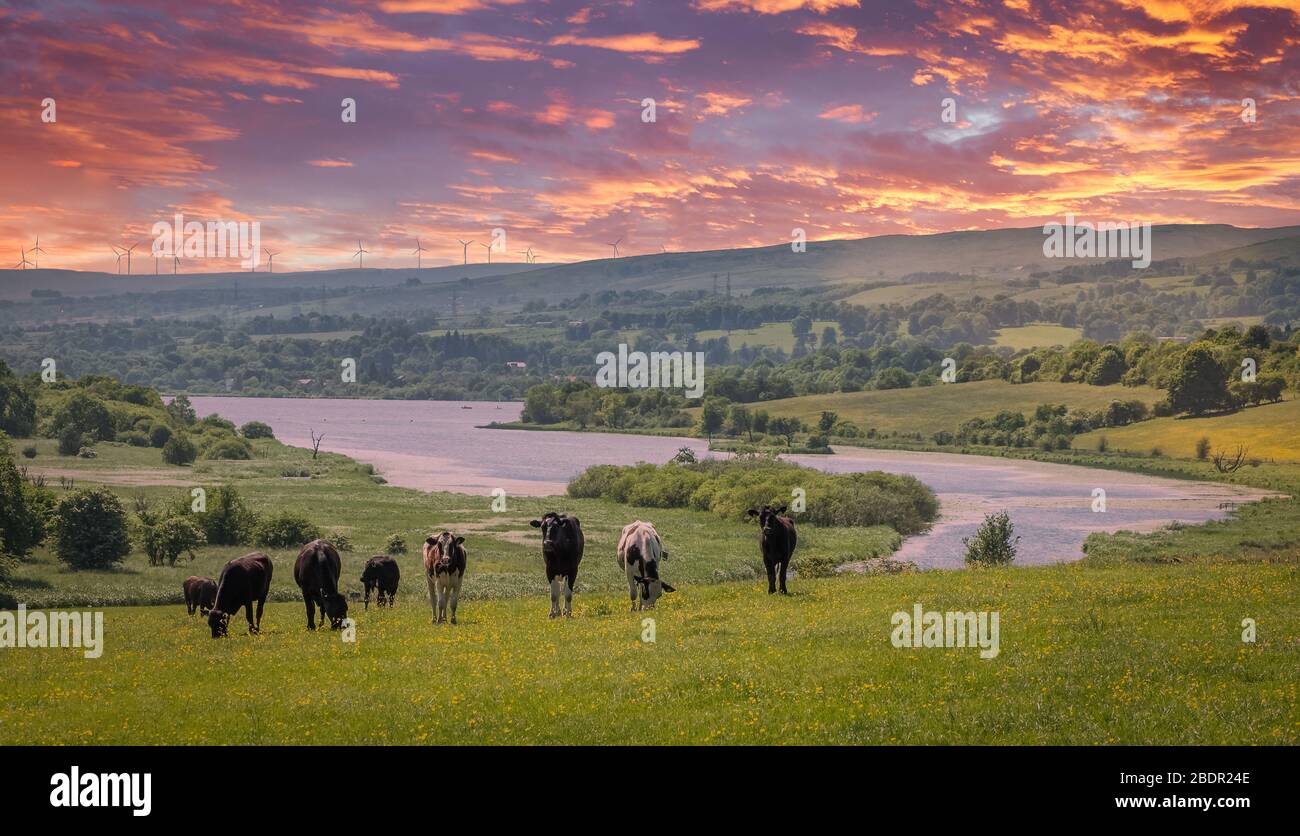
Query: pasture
[1036, 336]
[1121, 655]
[768, 335]
[1271, 431]
[929, 409]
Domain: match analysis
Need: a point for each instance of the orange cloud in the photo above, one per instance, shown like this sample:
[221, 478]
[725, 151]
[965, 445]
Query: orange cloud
[642, 42]
[852, 114]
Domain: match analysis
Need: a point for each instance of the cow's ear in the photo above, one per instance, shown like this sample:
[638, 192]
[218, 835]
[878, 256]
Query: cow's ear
[751, 513]
[780, 510]
[575, 522]
[535, 523]
[666, 587]
[460, 540]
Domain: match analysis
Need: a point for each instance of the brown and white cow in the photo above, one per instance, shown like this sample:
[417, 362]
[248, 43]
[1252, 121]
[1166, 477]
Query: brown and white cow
[639, 553]
[444, 570]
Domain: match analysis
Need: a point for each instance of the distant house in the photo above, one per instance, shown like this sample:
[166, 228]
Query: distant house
[305, 381]
[516, 364]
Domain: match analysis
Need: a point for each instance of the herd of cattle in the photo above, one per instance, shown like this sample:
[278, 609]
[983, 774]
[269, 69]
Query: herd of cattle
[245, 582]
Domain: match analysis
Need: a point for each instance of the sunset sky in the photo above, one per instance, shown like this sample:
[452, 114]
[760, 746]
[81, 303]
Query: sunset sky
[771, 114]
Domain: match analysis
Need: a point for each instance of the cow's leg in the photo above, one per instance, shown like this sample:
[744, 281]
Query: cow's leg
[785, 564]
[433, 596]
[444, 589]
[311, 611]
[455, 593]
[189, 606]
[260, 603]
[568, 594]
[248, 611]
[556, 581]
[771, 574]
[631, 587]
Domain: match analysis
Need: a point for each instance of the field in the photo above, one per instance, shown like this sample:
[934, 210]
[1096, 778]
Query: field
[932, 408]
[1036, 336]
[1271, 431]
[1127, 655]
[769, 334]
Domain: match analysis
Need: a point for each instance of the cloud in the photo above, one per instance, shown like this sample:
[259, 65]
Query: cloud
[642, 42]
[852, 114]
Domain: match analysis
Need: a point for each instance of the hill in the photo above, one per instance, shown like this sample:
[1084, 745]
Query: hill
[1271, 431]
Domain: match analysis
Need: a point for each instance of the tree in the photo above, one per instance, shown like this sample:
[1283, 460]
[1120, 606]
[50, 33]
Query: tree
[1200, 384]
[256, 429]
[785, 427]
[167, 539]
[24, 508]
[994, 544]
[181, 410]
[1107, 369]
[86, 414]
[893, 378]
[739, 420]
[801, 326]
[827, 422]
[89, 528]
[17, 407]
[71, 441]
[179, 450]
[1203, 448]
[227, 521]
[542, 404]
[712, 416]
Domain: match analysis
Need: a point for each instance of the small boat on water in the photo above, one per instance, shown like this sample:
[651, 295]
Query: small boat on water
[467, 407]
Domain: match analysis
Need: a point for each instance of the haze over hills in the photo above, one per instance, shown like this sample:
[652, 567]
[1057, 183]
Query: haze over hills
[994, 254]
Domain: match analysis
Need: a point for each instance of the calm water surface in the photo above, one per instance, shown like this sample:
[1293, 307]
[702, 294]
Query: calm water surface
[439, 446]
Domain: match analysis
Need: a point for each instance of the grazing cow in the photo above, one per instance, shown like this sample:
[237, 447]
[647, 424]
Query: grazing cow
[200, 594]
[243, 581]
[381, 573]
[562, 545]
[639, 553]
[776, 539]
[316, 571]
[444, 569]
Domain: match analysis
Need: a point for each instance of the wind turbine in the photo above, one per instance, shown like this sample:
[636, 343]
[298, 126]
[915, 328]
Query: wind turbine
[22, 265]
[418, 251]
[119, 254]
[615, 246]
[524, 253]
[464, 249]
[532, 259]
[128, 250]
[360, 255]
[176, 262]
[270, 259]
[489, 249]
[37, 251]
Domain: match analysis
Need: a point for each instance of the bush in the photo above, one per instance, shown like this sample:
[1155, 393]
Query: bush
[396, 545]
[89, 528]
[256, 429]
[341, 541]
[169, 538]
[29, 452]
[160, 435]
[229, 449]
[179, 450]
[994, 543]
[134, 438]
[227, 520]
[285, 530]
[1203, 448]
[24, 508]
[86, 414]
[71, 441]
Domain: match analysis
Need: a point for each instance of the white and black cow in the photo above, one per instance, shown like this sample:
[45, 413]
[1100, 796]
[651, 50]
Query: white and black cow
[562, 545]
[445, 560]
[776, 540]
[639, 554]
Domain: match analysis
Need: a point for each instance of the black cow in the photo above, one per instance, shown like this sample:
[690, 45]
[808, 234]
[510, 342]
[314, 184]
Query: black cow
[382, 574]
[200, 594]
[776, 539]
[562, 545]
[243, 581]
[316, 571]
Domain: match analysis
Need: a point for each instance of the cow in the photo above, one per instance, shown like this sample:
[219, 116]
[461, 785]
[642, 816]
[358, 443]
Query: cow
[382, 574]
[639, 553]
[776, 539]
[200, 593]
[243, 581]
[316, 571]
[562, 545]
[444, 569]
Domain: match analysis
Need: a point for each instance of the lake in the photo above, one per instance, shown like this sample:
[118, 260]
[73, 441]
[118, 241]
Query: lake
[442, 446]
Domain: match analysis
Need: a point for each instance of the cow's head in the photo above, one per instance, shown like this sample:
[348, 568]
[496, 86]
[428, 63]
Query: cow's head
[219, 622]
[443, 548]
[652, 586]
[559, 532]
[767, 517]
[336, 607]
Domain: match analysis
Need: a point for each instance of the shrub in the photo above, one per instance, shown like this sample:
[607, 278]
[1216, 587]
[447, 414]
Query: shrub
[160, 435]
[134, 438]
[1203, 448]
[89, 528]
[227, 521]
[994, 543]
[24, 508]
[179, 450]
[169, 538]
[229, 449]
[86, 414]
[285, 530]
[29, 452]
[71, 441]
[256, 429]
[341, 541]
[396, 545]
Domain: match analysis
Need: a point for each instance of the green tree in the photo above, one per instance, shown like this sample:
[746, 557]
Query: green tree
[24, 508]
[785, 427]
[994, 544]
[89, 528]
[827, 422]
[17, 407]
[181, 411]
[542, 404]
[712, 416]
[179, 450]
[1200, 383]
[227, 520]
[739, 420]
[256, 429]
[86, 414]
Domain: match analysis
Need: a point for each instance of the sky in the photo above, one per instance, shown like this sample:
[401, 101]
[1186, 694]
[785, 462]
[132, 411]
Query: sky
[529, 116]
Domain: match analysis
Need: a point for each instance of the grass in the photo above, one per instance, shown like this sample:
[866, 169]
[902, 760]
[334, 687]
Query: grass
[929, 409]
[769, 334]
[340, 496]
[1036, 336]
[1271, 431]
[1123, 655]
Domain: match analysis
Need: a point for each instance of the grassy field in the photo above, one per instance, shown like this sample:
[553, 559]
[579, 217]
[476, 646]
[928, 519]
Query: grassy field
[1036, 336]
[932, 408]
[340, 496]
[1125, 655]
[769, 334]
[1271, 431]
